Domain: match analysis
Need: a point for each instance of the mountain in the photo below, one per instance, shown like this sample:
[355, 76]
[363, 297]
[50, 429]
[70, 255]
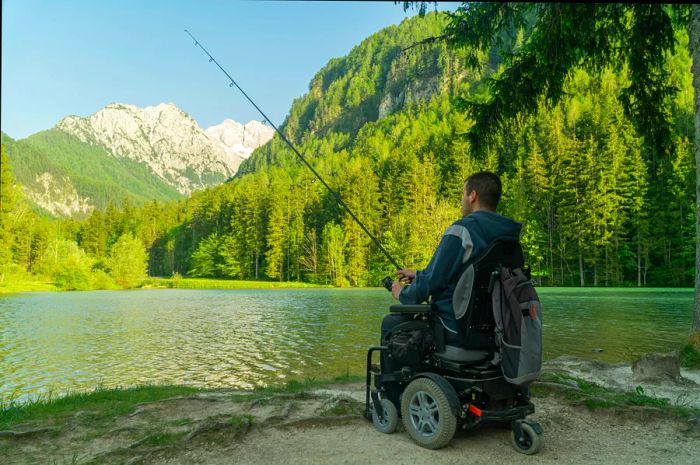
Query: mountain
[123, 151]
[239, 140]
[169, 142]
[65, 176]
[383, 75]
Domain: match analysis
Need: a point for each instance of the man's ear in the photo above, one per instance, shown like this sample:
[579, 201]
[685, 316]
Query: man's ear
[472, 196]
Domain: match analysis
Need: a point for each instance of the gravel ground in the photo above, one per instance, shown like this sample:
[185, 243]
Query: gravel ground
[324, 427]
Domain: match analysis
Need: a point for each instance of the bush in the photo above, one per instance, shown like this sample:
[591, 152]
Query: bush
[690, 357]
[67, 264]
[102, 281]
[128, 261]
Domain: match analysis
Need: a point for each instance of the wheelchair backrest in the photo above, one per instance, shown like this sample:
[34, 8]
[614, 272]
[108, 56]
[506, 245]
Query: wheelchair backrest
[475, 314]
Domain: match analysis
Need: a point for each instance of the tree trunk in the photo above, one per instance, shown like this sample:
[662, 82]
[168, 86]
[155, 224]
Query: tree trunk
[29, 255]
[595, 275]
[581, 271]
[695, 51]
[256, 264]
[639, 264]
[551, 245]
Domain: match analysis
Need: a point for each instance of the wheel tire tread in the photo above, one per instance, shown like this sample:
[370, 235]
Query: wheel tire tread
[536, 440]
[392, 417]
[448, 422]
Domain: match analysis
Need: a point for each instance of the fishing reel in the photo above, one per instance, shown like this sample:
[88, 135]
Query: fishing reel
[388, 283]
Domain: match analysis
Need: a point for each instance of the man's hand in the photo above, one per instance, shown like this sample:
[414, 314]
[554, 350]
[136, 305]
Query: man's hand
[396, 289]
[406, 275]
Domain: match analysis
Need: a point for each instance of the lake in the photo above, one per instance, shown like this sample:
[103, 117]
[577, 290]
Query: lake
[60, 342]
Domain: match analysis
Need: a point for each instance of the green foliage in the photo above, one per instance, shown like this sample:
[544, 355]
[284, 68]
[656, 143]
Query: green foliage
[127, 262]
[14, 278]
[334, 256]
[102, 403]
[196, 283]
[9, 196]
[581, 392]
[690, 357]
[92, 171]
[100, 280]
[560, 38]
[381, 127]
[72, 269]
[203, 260]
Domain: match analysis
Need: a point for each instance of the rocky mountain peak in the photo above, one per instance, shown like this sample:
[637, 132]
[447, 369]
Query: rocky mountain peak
[170, 142]
[240, 139]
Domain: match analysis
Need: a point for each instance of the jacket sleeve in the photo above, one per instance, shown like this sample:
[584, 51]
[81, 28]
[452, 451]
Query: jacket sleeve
[444, 265]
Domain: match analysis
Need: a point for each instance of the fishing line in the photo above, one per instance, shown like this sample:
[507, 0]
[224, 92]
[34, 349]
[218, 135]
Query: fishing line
[279, 133]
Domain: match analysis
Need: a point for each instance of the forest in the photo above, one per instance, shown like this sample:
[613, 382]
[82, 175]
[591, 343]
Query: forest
[383, 127]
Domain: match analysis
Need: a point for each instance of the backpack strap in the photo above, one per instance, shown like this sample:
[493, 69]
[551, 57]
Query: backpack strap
[496, 302]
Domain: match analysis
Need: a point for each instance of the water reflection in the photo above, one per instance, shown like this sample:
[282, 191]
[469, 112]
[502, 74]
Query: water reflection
[247, 338]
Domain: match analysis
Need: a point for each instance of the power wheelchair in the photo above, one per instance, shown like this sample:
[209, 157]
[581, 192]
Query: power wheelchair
[436, 386]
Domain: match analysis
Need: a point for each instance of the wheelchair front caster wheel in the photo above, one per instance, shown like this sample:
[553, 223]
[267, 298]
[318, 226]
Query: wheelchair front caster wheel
[529, 439]
[390, 420]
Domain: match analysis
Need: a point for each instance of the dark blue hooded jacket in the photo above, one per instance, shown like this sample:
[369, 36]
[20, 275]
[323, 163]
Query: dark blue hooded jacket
[465, 240]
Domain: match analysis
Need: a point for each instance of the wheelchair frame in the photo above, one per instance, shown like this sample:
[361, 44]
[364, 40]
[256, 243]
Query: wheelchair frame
[475, 391]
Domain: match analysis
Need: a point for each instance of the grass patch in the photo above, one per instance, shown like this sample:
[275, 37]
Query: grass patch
[595, 396]
[11, 283]
[241, 423]
[100, 403]
[344, 407]
[295, 386]
[164, 438]
[198, 283]
[180, 422]
[690, 357]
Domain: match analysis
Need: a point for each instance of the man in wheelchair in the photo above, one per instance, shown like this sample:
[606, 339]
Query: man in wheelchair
[440, 362]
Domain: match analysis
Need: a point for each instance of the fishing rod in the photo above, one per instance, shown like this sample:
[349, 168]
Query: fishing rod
[279, 133]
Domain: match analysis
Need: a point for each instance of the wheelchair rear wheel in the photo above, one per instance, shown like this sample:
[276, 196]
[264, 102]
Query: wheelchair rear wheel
[426, 414]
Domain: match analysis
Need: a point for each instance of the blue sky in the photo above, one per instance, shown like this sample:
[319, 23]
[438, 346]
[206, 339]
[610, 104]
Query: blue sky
[74, 57]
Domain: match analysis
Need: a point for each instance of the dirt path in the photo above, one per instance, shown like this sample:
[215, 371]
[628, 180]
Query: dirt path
[325, 427]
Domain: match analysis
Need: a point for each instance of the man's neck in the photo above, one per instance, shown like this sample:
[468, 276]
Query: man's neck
[479, 208]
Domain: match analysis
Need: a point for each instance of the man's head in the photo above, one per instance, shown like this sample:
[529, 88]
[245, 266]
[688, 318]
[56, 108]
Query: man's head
[482, 191]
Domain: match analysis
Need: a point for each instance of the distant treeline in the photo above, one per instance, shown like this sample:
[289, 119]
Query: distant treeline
[594, 210]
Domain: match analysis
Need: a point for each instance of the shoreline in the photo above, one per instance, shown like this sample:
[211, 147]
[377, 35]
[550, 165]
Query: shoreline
[24, 286]
[28, 285]
[582, 377]
[313, 422]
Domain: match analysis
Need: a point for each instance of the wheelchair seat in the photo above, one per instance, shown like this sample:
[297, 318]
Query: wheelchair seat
[459, 355]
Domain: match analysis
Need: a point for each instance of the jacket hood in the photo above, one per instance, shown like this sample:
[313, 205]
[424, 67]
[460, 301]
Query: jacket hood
[495, 225]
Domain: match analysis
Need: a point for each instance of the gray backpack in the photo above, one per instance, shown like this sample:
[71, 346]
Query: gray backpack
[518, 316]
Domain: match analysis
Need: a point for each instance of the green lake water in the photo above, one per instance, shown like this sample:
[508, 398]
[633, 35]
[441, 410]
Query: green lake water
[62, 342]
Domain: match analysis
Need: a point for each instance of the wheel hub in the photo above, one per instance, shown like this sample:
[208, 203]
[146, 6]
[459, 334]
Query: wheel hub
[423, 410]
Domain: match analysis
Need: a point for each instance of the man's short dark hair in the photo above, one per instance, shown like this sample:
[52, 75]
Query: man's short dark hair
[487, 186]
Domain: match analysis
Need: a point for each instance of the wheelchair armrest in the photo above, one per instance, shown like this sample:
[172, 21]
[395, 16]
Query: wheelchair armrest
[418, 308]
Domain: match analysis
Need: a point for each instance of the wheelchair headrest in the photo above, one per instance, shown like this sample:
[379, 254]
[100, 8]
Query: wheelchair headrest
[504, 251]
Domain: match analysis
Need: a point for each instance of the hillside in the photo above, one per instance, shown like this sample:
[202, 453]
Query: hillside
[125, 152]
[381, 125]
[381, 76]
[66, 176]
